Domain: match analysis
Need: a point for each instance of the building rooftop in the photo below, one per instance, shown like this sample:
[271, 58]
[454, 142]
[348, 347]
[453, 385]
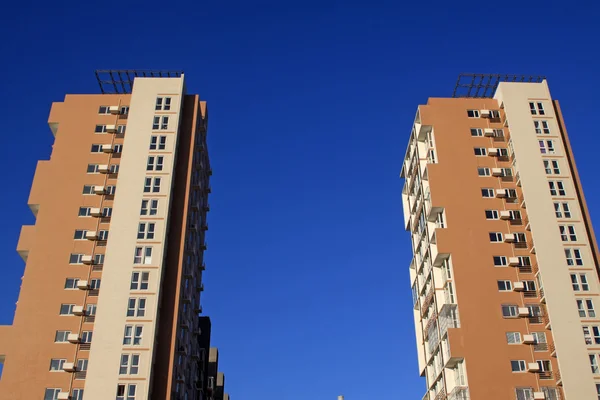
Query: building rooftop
[484, 85]
[120, 81]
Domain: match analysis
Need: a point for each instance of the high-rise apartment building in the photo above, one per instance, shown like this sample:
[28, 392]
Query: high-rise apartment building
[110, 296]
[505, 271]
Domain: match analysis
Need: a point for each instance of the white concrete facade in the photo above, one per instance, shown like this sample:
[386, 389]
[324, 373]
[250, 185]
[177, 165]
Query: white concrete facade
[105, 355]
[572, 351]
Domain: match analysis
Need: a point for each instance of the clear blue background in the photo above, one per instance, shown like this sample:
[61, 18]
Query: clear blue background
[311, 105]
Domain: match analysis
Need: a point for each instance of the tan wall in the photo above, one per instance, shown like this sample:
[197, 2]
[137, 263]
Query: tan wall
[56, 194]
[111, 317]
[455, 186]
[572, 353]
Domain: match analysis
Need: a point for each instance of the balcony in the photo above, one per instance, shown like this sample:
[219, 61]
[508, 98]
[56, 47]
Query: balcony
[552, 348]
[459, 393]
[522, 201]
[441, 395]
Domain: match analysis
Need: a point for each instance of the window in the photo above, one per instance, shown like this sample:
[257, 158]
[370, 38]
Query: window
[84, 212]
[580, 282]
[86, 336]
[160, 123]
[71, 283]
[130, 364]
[124, 110]
[149, 207]
[551, 167]
[152, 184]
[66, 309]
[75, 258]
[502, 152]
[163, 104]
[504, 286]
[524, 261]
[111, 190]
[121, 129]
[61, 336]
[594, 363]
[79, 234]
[499, 133]
[126, 391]
[107, 212]
[562, 210]
[88, 189]
[118, 148]
[143, 255]
[99, 259]
[483, 171]
[100, 129]
[557, 188]
[536, 108]
[591, 334]
[495, 237]
[132, 335]
[146, 230]
[90, 310]
[139, 281]
[95, 284]
[567, 233]
[520, 237]
[586, 308]
[515, 215]
[56, 364]
[528, 286]
[82, 365]
[500, 261]
[96, 148]
[491, 214]
[92, 168]
[480, 151]
[51, 394]
[509, 311]
[158, 142]
[511, 193]
[473, 113]
[136, 307]
[487, 193]
[476, 132]
[155, 163]
[114, 168]
[513, 337]
[77, 394]
[518, 365]
[104, 110]
[546, 146]
[541, 126]
[103, 235]
[573, 256]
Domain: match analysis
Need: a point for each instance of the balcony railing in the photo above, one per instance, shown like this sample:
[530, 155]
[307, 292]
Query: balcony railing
[441, 395]
[520, 245]
[530, 293]
[459, 393]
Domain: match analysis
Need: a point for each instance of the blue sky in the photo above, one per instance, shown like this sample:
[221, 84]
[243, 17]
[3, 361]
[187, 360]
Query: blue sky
[311, 104]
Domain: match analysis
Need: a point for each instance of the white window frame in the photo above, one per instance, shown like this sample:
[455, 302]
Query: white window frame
[146, 230]
[567, 233]
[502, 259]
[56, 364]
[504, 285]
[472, 113]
[476, 132]
[492, 214]
[585, 307]
[128, 391]
[155, 163]
[136, 307]
[497, 235]
[480, 151]
[521, 366]
[513, 311]
[551, 167]
[143, 255]
[579, 282]
[557, 189]
[541, 127]
[69, 309]
[71, 283]
[536, 108]
[487, 193]
[513, 338]
[61, 336]
[483, 171]
[139, 280]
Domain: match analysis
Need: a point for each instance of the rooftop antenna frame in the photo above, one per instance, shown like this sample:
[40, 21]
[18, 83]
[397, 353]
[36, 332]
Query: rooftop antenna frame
[120, 81]
[483, 86]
